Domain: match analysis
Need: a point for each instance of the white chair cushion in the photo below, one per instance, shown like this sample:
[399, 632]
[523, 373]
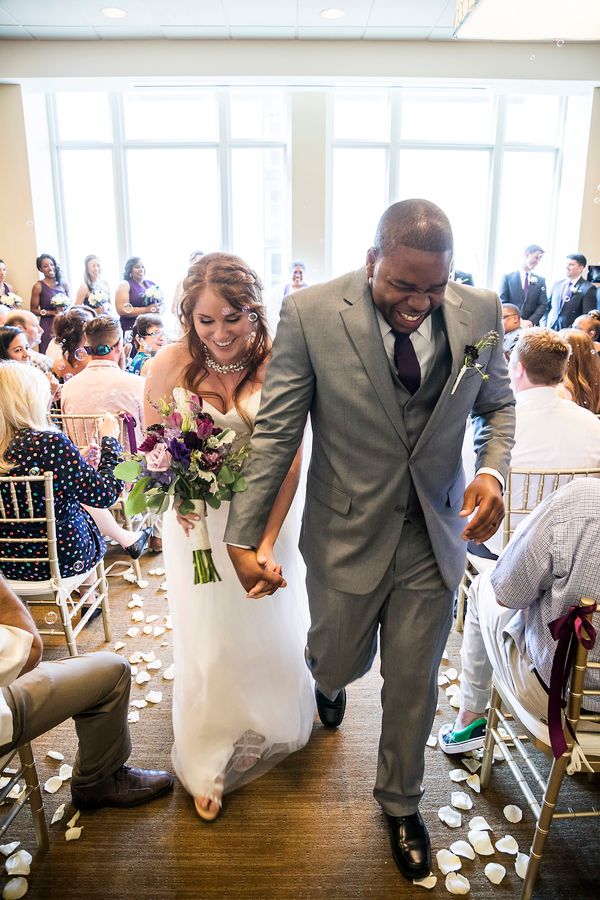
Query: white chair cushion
[31, 588]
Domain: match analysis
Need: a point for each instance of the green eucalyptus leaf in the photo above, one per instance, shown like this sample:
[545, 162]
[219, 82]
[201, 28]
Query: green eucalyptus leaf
[239, 485]
[127, 470]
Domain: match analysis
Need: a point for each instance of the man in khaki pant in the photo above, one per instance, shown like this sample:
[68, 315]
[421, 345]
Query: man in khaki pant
[93, 690]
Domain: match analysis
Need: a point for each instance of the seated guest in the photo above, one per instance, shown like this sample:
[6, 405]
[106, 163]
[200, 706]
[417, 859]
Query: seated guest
[581, 383]
[28, 442]
[525, 290]
[550, 432]
[103, 386]
[15, 346]
[93, 690]
[69, 334]
[511, 319]
[23, 318]
[589, 324]
[148, 336]
[548, 566]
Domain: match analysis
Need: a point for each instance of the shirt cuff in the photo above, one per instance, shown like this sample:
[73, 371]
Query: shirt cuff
[486, 471]
[241, 546]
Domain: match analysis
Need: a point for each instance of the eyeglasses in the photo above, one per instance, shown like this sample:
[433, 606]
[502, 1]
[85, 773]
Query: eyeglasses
[155, 334]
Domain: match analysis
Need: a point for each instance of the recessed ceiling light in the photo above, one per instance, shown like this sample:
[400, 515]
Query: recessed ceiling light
[114, 12]
[332, 13]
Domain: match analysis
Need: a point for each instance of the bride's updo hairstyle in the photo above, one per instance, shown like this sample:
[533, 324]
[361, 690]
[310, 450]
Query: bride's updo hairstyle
[241, 288]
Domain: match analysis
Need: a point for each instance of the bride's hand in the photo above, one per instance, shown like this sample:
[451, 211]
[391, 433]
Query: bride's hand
[266, 560]
[258, 580]
[187, 522]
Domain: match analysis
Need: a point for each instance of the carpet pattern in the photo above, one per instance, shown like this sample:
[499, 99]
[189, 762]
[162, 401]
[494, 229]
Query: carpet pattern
[310, 828]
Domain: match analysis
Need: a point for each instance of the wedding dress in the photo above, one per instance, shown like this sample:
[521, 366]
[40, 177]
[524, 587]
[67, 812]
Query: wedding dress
[243, 697]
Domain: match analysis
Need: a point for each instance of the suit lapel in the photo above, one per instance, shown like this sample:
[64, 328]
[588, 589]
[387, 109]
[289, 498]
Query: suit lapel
[458, 325]
[360, 322]
[520, 294]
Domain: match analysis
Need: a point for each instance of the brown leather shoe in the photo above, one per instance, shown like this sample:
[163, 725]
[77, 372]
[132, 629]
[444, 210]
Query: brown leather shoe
[125, 787]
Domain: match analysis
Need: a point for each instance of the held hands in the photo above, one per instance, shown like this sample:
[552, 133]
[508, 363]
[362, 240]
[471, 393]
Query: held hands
[485, 494]
[256, 570]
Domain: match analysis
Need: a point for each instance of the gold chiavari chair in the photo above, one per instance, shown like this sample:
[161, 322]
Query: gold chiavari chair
[31, 794]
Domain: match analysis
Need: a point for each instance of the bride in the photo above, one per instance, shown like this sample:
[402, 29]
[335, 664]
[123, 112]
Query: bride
[243, 698]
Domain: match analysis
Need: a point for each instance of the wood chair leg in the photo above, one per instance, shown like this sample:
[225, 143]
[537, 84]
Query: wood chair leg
[35, 801]
[104, 605]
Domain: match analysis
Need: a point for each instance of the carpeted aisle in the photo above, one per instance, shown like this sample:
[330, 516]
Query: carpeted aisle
[310, 828]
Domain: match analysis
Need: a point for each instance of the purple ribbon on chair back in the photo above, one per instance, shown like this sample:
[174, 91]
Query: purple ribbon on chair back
[130, 424]
[567, 630]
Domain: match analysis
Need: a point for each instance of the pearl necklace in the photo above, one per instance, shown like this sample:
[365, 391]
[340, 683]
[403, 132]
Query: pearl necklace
[227, 369]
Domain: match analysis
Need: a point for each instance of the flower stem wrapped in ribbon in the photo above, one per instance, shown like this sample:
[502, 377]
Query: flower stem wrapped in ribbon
[472, 353]
[187, 460]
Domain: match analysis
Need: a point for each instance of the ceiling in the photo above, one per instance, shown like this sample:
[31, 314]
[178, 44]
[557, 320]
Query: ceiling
[202, 19]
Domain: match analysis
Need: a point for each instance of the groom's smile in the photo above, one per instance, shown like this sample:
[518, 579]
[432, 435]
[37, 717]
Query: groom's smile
[408, 284]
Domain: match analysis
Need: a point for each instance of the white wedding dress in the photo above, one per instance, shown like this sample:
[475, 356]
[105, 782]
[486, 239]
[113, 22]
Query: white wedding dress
[243, 696]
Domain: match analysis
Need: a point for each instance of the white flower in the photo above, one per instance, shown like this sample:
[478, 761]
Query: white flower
[227, 436]
[11, 300]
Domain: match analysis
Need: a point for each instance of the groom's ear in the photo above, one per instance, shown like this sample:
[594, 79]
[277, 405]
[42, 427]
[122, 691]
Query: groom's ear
[371, 260]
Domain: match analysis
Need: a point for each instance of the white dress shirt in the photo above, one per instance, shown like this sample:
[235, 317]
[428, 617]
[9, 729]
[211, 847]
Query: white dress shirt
[104, 387]
[15, 644]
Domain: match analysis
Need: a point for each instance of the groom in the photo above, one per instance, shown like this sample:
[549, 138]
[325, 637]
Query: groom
[374, 356]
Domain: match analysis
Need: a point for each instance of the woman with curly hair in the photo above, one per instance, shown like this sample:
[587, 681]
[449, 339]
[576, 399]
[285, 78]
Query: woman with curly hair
[136, 294]
[49, 296]
[582, 379]
[243, 697]
[69, 336]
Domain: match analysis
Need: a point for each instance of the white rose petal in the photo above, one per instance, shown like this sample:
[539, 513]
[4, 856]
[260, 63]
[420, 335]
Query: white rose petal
[53, 784]
[498, 754]
[442, 680]
[16, 792]
[451, 674]
[461, 848]
[158, 630]
[168, 622]
[118, 646]
[73, 834]
[155, 665]
[431, 740]
[429, 882]
[458, 775]
[136, 600]
[58, 814]
[450, 817]
[7, 849]
[481, 842]
[129, 577]
[521, 863]
[494, 872]
[154, 696]
[148, 657]
[19, 863]
[135, 658]
[147, 629]
[15, 888]
[164, 586]
[460, 800]
[137, 616]
[512, 813]
[134, 670]
[142, 677]
[131, 632]
[159, 571]
[133, 717]
[455, 701]
[474, 783]
[169, 673]
[65, 772]
[142, 584]
[151, 619]
[447, 862]
[471, 764]
[55, 754]
[478, 823]
[73, 821]
[452, 690]
[139, 704]
[457, 884]
[507, 844]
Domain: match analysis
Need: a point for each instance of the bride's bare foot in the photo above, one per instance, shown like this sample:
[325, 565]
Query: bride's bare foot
[207, 809]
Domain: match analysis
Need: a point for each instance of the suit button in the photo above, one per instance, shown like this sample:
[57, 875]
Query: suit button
[399, 508]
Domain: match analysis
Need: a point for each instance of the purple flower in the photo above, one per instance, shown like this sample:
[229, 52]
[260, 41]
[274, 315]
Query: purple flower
[204, 426]
[180, 453]
[192, 441]
[211, 460]
[149, 442]
[174, 420]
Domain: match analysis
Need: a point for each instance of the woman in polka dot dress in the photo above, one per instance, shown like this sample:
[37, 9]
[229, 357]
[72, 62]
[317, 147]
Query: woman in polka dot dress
[29, 445]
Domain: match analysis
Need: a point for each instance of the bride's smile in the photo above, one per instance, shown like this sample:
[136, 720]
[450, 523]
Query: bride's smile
[224, 330]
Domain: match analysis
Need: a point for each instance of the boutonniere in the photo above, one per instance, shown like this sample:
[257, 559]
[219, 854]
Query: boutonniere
[472, 352]
[532, 279]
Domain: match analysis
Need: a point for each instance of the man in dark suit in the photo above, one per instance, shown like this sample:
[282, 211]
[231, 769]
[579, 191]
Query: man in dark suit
[572, 296]
[524, 290]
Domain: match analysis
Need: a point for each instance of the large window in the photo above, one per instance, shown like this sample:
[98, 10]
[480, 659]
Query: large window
[162, 173]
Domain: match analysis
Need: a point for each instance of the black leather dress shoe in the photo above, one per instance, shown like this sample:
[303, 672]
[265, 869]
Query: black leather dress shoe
[410, 844]
[125, 787]
[136, 550]
[331, 712]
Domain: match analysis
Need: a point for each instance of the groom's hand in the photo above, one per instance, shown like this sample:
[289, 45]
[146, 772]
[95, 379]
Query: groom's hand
[256, 579]
[485, 495]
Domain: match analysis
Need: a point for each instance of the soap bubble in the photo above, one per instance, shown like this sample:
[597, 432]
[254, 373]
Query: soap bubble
[560, 42]
[78, 566]
[80, 354]
[51, 618]
[34, 470]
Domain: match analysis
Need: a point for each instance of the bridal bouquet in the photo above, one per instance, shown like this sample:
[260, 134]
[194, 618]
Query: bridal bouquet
[190, 460]
[152, 295]
[59, 301]
[97, 298]
[11, 300]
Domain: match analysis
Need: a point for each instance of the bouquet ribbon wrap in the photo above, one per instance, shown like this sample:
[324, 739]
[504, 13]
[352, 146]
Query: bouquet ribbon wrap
[204, 567]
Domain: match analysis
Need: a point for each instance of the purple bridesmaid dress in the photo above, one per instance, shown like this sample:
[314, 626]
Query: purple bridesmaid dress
[46, 295]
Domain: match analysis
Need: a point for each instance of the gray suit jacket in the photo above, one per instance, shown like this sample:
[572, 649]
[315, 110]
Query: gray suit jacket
[329, 360]
[582, 301]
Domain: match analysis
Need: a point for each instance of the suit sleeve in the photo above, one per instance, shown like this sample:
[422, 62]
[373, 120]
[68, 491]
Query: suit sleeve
[493, 412]
[503, 290]
[541, 308]
[589, 301]
[279, 429]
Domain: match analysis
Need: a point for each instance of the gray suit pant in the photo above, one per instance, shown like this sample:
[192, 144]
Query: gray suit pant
[94, 691]
[412, 608]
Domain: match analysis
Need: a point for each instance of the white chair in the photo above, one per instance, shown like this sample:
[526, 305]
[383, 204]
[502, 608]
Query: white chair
[82, 429]
[525, 489]
[31, 795]
[501, 732]
[17, 508]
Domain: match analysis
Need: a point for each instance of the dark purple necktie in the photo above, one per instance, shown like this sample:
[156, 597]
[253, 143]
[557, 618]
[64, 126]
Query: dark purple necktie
[407, 364]
[526, 285]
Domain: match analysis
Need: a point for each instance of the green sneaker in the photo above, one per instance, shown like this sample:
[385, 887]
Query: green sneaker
[470, 738]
